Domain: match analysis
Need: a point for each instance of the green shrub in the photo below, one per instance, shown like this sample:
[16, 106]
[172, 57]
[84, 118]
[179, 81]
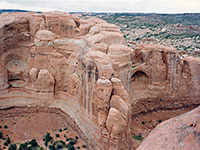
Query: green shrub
[76, 137]
[84, 146]
[57, 135]
[159, 121]
[60, 130]
[1, 134]
[52, 147]
[12, 147]
[8, 140]
[5, 126]
[72, 142]
[59, 146]
[138, 137]
[70, 147]
[47, 138]
[78, 147]
[143, 122]
[5, 143]
[65, 128]
[23, 146]
[33, 142]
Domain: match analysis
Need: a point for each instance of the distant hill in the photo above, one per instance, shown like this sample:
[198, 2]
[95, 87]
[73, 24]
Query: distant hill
[13, 10]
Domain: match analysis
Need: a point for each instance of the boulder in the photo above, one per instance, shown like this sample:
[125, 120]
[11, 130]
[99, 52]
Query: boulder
[181, 132]
[44, 82]
[3, 77]
[118, 103]
[74, 85]
[116, 124]
[103, 92]
[118, 89]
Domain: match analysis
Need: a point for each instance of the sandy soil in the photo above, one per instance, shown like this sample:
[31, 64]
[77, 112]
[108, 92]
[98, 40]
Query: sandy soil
[25, 124]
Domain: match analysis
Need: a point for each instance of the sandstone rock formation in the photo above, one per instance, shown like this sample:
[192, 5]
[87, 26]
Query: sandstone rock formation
[160, 79]
[83, 67]
[56, 59]
[181, 132]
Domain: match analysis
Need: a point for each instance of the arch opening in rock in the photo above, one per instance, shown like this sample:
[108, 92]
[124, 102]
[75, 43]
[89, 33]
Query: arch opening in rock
[139, 80]
[15, 67]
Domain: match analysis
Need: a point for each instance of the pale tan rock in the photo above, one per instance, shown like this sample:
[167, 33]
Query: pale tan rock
[120, 55]
[60, 23]
[97, 38]
[3, 77]
[102, 61]
[103, 27]
[36, 22]
[44, 82]
[100, 47]
[74, 85]
[102, 116]
[118, 103]
[118, 89]
[116, 124]
[33, 73]
[121, 58]
[113, 38]
[45, 35]
[70, 46]
[176, 133]
[103, 92]
[109, 27]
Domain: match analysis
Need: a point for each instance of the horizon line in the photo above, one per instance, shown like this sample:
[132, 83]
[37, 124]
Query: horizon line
[170, 13]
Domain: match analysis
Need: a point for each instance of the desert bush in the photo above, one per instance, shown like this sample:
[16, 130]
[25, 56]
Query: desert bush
[84, 146]
[1, 134]
[47, 138]
[144, 122]
[23, 146]
[12, 147]
[72, 142]
[5, 126]
[138, 137]
[70, 147]
[57, 135]
[59, 146]
[65, 128]
[33, 142]
[52, 147]
[7, 142]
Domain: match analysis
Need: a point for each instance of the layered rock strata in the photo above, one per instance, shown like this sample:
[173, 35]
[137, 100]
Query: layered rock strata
[161, 79]
[83, 67]
[56, 59]
[181, 132]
